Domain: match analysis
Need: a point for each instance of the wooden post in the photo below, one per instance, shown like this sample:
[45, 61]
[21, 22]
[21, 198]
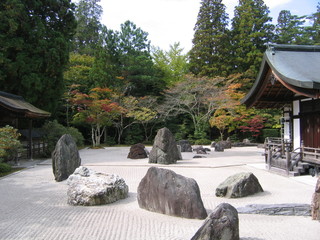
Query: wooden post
[30, 140]
[288, 158]
[269, 158]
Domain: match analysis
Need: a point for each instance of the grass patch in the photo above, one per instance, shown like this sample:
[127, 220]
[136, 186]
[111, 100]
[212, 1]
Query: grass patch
[2, 174]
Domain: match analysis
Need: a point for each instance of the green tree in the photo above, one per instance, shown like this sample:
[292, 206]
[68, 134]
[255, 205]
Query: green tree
[35, 38]
[210, 51]
[127, 63]
[316, 25]
[79, 72]
[173, 63]
[87, 38]
[251, 30]
[292, 29]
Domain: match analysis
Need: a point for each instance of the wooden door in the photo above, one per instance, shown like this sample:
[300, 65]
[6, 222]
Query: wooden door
[310, 130]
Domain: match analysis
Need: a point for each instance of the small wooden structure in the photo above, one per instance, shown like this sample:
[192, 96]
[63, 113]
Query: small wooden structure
[13, 109]
[289, 79]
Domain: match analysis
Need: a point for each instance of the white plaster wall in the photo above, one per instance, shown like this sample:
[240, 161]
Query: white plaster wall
[296, 125]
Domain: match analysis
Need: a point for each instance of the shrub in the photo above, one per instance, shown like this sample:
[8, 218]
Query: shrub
[269, 132]
[4, 168]
[9, 143]
[202, 142]
[53, 132]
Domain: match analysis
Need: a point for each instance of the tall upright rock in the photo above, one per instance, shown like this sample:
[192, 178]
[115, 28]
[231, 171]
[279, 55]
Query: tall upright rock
[164, 150]
[65, 158]
[315, 204]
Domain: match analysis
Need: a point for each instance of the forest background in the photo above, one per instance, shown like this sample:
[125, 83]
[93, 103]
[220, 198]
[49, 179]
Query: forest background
[116, 88]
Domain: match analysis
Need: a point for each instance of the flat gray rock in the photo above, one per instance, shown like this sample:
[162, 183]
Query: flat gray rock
[289, 209]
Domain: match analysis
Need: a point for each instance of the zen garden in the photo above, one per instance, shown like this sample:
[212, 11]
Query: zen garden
[105, 136]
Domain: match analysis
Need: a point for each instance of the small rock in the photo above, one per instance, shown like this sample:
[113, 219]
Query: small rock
[239, 185]
[137, 151]
[185, 146]
[218, 147]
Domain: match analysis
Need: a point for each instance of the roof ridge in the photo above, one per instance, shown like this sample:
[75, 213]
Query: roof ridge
[296, 48]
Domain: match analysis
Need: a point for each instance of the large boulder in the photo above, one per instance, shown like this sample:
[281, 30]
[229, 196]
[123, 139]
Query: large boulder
[222, 224]
[88, 188]
[164, 191]
[239, 185]
[185, 146]
[164, 150]
[137, 151]
[315, 204]
[65, 158]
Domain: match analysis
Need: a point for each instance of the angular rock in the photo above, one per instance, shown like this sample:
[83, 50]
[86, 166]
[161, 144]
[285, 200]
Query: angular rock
[239, 185]
[164, 150]
[315, 203]
[185, 146]
[222, 224]
[89, 188]
[137, 151]
[225, 144]
[65, 158]
[218, 147]
[201, 150]
[213, 144]
[164, 191]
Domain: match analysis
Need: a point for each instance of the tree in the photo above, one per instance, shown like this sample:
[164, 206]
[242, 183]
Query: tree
[35, 39]
[292, 29]
[173, 63]
[229, 106]
[146, 114]
[316, 25]
[95, 109]
[127, 59]
[195, 97]
[87, 38]
[251, 31]
[79, 72]
[210, 50]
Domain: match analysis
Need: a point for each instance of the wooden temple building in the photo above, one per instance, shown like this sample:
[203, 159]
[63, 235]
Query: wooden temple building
[289, 79]
[14, 111]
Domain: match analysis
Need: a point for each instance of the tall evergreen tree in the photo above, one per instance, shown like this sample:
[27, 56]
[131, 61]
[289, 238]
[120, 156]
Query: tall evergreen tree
[316, 25]
[125, 62]
[209, 54]
[251, 30]
[87, 38]
[291, 29]
[35, 37]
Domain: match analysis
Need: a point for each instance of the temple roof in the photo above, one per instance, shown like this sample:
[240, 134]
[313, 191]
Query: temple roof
[287, 72]
[18, 105]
